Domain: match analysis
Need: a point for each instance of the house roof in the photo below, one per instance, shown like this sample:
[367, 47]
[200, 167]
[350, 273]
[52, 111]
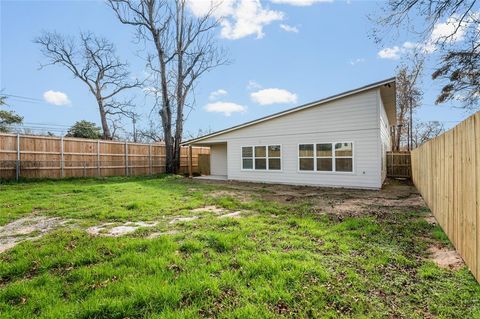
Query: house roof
[391, 114]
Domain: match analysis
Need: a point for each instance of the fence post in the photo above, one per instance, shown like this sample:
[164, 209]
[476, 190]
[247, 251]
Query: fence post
[84, 169]
[17, 163]
[98, 158]
[62, 159]
[190, 160]
[150, 159]
[126, 158]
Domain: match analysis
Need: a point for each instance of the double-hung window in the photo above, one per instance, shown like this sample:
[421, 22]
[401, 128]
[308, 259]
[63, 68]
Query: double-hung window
[326, 157]
[306, 157]
[247, 157]
[274, 158]
[343, 157]
[260, 157]
[264, 157]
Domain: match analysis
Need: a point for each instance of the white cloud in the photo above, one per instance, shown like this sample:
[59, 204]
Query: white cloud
[216, 94]
[357, 61]
[252, 85]
[227, 108]
[299, 3]
[452, 30]
[273, 96]
[390, 53]
[56, 98]
[238, 18]
[289, 28]
[449, 32]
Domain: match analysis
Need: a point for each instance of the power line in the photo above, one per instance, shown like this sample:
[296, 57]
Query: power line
[46, 124]
[32, 99]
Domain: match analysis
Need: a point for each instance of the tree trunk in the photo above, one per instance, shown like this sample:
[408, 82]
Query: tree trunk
[165, 114]
[103, 118]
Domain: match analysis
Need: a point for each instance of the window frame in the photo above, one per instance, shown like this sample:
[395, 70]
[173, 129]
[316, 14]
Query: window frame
[334, 157]
[331, 157]
[267, 169]
[252, 158]
[313, 157]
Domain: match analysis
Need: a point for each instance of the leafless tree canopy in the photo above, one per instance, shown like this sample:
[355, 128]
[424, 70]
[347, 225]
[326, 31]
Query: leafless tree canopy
[183, 49]
[408, 99]
[93, 60]
[460, 70]
[458, 67]
[424, 131]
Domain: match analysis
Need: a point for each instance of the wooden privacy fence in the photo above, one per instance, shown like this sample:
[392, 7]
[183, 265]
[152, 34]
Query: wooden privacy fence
[446, 171]
[399, 164]
[24, 156]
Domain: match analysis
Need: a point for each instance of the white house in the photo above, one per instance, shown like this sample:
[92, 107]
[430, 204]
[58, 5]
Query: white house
[339, 141]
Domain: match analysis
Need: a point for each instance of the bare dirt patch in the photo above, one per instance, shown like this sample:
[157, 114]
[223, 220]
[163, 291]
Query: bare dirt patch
[237, 214]
[430, 219]
[240, 195]
[182, 219]
[446, 257]
[27, 228]
[108, 229]
[395, 195]
[208, 209]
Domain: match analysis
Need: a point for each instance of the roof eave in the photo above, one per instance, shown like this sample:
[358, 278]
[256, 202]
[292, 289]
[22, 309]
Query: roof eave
[295, 109]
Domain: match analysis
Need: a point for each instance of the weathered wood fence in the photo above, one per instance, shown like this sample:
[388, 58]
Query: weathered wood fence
[446, 171]
[24, 156]
[399, 164]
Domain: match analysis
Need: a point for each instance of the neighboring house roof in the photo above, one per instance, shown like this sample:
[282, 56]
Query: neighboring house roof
[391, 109]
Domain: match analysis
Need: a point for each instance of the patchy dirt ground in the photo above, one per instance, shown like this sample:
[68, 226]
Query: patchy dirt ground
[394, 195]
[34, 226]
[115, 230]
[446, 257]
[27, 228]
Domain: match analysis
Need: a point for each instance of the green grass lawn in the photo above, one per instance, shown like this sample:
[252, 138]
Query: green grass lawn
[279, 260]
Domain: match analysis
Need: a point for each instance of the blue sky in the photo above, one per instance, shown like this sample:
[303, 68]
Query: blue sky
[290, 55]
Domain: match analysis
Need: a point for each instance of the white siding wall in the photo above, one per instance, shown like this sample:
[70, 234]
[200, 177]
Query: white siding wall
[218, 159]
[351, 119]
[385, 138]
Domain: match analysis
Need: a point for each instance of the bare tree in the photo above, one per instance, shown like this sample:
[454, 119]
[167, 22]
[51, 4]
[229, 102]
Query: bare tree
[93, 60]
[184, 48]
[424, 131]
[459, 64]
[408, 99]
[461, 70]
[153, 133]
[199, 133]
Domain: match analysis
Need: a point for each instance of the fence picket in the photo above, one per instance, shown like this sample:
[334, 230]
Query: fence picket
[54, 157]
[446, 171]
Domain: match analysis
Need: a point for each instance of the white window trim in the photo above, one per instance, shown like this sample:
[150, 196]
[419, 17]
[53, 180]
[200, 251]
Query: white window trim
[260, 158]
[308, 157]
[266, 158]
[252, 158]
[333, 171]
[332, 157]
